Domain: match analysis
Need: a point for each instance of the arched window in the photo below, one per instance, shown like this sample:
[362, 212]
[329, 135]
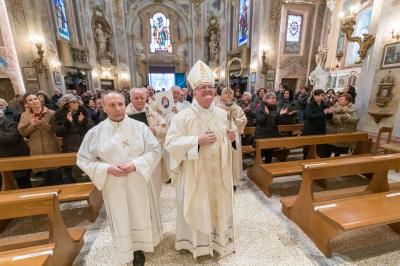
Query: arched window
[160, 34]
[61, 18]
[362, 26]
[293, 33]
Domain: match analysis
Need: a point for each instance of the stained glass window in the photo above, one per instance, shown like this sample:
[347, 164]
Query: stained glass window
[160, 34]
[61, 17]
[244, 9]
[293, 33]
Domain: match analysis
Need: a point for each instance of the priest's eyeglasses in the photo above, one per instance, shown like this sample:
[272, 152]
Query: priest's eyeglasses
[206, 87]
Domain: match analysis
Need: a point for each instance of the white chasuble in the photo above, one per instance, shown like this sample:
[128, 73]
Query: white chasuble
[203, 179]
[130, 201]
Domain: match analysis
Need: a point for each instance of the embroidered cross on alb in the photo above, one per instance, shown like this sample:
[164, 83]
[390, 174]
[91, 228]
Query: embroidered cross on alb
[125, 142]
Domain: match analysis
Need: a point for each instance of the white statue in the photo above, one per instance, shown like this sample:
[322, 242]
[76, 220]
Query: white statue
[214, 47]
[101, 39]
[320, 57]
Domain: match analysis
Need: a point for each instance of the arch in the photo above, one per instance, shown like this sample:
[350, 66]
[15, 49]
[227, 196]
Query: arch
[133, 22]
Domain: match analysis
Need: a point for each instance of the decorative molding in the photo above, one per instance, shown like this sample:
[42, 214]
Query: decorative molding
[16, 9]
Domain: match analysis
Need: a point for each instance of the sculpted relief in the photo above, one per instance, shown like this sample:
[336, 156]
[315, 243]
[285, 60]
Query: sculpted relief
[102, 36]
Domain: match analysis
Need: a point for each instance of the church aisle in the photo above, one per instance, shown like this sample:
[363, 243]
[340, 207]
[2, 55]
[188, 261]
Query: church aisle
[264, 236]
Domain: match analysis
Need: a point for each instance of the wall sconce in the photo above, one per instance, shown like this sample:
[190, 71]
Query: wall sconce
[38, 62]
[365, 42]
[395, 35]
[265, 59]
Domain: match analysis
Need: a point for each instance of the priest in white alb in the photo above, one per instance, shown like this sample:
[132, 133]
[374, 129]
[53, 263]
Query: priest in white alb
[200, 144]
[238, 117]
[119, 155]
[157, 125]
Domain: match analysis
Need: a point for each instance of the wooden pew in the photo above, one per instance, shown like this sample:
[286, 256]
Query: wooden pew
[323, 219]
[67, 242]
[248, 149]
[263, 174]
[295, 129]
[32, 256]
[69, 192]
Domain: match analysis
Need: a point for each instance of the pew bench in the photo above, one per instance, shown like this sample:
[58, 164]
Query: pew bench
[293, 129]
[67, 242]
[69, 192]
[263, 174]
[323, 219]
[248, 149]
[32, 256]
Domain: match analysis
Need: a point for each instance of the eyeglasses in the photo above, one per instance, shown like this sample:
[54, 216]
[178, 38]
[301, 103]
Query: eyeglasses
[206, 87]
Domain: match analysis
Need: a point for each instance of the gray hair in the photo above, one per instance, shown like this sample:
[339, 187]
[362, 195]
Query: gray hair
[248, 94]
[175, 87]
[4, 102]
[270, 95]
[133, 90]
[225, 90]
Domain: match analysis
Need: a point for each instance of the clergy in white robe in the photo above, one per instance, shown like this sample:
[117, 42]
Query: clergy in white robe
[119, 155]
[177, 106]
[200, 147]
[238, 117]
[157, 125]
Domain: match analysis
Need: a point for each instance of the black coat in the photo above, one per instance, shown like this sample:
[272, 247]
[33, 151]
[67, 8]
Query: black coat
[267, 124]
[11, 142]
[315, 120]
[72, 133]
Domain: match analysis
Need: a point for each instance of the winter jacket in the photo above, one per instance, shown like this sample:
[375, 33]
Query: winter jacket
[42, 139]
[72, 133]
[266, 124]
[291, 106]
[315, 121]
[11, 142]
[344, 119]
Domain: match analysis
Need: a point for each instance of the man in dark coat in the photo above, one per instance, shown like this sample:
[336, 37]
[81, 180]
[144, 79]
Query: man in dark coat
[12, 144]
[267, 122]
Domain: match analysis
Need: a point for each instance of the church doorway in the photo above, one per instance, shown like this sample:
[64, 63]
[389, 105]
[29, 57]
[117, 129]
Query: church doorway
[162, 78]
[291, 83]
[6, 89]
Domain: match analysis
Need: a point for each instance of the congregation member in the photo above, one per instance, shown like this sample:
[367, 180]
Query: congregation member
[46, 101]
[99, 114]
[287, 102]
[315, 118]
[17, 103]
[330, 98]
[177, 106]
[239, 120]
[139, 110]
[343, 119]
[245, 104]
[352, 91]
[267, 120]
[12, 144]
[71, 122]
[200, 145]
[258, 100]
[120, 155]
[9, 112]
[302, 98]
[187, 96]
[56, 96]
[35, 124]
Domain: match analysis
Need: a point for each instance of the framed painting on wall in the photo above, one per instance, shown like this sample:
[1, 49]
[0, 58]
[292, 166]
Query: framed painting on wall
[391, 55]
[33, 87]
[271, 75]
[270, 85]
[57, 77]
[253, 77]
[30, 74]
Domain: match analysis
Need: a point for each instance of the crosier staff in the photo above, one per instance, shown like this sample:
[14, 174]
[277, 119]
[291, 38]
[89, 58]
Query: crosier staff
[228, 84]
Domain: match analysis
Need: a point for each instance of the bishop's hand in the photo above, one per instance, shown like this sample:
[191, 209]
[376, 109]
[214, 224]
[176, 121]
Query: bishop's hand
[121, 169]
[207, 138]
[231, 135]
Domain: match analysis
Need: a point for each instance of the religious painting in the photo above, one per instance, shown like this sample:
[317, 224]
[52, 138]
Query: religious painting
[165, 101]
[391, 55]
[57, 77]
[30, 74]
[340, 43]
[271, 75]
[107, 84]
[160, 34]
[270, 86]
[244, 22]
[293, 33]
[61, 18]
[33, 87]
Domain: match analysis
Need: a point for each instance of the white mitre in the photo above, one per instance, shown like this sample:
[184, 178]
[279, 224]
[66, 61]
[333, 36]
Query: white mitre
[199, 74]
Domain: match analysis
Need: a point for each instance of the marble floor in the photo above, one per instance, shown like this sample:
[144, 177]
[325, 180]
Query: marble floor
[264, 236]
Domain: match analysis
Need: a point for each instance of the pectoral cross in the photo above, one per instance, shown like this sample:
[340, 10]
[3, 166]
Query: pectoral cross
[125, 142]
